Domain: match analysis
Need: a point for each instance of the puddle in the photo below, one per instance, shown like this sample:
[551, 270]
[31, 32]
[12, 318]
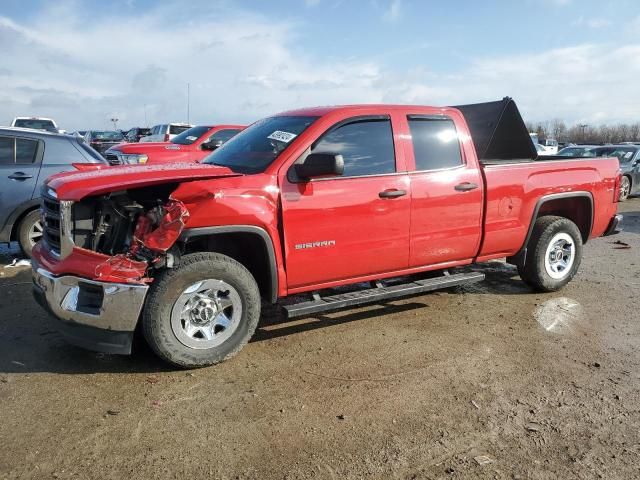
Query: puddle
[559, 315]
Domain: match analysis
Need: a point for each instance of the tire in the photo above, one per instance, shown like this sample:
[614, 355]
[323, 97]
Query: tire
[181, 320]
[29, 231]
[625, 188]
[548, 267]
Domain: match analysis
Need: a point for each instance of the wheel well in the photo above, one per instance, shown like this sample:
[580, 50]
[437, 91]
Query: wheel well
[577, 209]
[16, 222]
[247, 248]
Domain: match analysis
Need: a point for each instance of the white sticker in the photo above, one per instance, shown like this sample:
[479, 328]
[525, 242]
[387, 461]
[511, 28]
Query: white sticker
[628, 154]
[192, 138]
[285, 137]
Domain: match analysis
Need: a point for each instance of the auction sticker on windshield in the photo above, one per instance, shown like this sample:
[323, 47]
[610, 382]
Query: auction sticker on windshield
[280, 136]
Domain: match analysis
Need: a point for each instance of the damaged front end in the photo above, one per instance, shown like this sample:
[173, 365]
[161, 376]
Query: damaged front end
[130, 232]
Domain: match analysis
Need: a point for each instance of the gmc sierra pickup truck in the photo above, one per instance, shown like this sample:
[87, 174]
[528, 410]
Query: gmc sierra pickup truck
[386, 199]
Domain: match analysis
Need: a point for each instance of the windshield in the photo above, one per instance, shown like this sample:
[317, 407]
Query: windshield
[36, 124]
[107, 136]
[254, 149]
[189, 136]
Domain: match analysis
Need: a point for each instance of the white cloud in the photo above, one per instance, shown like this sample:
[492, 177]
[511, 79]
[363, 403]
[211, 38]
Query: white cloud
[242, 67]
[595, 23]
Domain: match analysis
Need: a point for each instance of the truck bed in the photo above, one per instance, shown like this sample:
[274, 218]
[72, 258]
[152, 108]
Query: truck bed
[513, 190]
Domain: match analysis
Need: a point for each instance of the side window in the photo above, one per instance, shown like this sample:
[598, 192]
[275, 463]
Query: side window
[26, 150]
[365, 145]
[6, 151]
[435, 143]
[223, 135]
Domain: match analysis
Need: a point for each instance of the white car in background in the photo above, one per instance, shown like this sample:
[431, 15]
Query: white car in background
[36, 123]
[165, 132]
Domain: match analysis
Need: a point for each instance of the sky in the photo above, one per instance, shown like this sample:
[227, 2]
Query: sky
[85, 62]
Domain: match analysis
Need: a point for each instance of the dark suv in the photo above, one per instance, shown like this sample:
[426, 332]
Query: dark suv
[27, 158]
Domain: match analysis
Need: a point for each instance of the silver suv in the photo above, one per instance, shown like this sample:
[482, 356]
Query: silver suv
[165, 132]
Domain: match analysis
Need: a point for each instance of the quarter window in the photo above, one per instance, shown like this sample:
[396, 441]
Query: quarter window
[435, 143]
[366, 146]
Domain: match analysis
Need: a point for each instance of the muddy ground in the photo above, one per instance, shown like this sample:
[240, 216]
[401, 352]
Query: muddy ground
[489, 381]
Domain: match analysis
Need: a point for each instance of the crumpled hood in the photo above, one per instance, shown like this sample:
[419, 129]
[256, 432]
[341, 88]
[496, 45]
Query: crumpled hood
[77, 185]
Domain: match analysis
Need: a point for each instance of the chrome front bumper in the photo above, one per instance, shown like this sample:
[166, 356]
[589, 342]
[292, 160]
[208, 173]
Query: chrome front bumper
[98, 315]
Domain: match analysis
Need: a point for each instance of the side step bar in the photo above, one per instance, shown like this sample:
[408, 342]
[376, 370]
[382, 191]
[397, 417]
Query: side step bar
[378, 293]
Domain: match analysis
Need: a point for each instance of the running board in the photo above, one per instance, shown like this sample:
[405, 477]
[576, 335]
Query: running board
[377, 293]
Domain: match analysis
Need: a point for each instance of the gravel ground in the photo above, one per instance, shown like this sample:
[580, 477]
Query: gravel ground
[487, 381]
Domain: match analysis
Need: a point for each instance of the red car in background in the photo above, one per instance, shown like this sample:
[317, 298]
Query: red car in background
[190, 146]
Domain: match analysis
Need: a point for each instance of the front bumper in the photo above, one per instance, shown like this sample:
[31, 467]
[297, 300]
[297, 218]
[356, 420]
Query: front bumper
[95, 315]
[615, 226]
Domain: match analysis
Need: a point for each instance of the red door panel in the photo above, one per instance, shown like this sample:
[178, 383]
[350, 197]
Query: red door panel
[337, 229]
[446, 224]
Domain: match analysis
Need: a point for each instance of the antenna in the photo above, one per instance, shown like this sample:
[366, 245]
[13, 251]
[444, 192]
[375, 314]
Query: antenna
[188, 101]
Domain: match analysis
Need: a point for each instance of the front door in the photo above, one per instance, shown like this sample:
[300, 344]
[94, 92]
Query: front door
[353, 225]
[19, 166]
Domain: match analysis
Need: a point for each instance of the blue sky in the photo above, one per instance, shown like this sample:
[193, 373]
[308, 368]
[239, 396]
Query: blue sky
[84, 62]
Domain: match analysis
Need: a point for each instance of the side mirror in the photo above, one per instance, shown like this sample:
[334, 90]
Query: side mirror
[211, 145]
[320, 165]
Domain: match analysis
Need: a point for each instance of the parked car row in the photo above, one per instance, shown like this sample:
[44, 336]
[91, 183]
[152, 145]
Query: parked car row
[628, 155]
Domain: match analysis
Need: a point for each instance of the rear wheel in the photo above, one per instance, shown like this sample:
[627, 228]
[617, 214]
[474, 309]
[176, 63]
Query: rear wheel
[30, 231]
[625, 188]
[201, 312]
[554, 253]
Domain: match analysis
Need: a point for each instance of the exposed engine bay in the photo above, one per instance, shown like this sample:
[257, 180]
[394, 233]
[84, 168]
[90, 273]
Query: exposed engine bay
[137, 228]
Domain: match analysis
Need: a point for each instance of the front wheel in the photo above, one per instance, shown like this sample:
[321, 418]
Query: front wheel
[554, 253]
[201, 312]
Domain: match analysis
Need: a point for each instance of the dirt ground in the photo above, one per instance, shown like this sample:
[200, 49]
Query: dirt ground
[487, 381]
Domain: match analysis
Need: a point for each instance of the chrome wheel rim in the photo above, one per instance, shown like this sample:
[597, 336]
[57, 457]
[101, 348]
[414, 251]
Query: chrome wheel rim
[625, 188]
[560, 255]
[35, 233]
[206, 314]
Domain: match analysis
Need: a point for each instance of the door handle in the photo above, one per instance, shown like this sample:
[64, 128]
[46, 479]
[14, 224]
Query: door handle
[465, 186]
[392, 193]
[20, 176]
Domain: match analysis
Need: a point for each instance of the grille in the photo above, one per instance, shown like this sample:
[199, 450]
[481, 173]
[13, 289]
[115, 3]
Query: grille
[51, 218]
[113, 159]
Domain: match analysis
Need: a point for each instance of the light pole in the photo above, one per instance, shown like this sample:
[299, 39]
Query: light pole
[583, 126]
[115, 123]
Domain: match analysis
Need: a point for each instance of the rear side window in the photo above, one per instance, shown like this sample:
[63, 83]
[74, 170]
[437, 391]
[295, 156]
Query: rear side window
[366, 146]
[6, 151]
[17, 151]
[435, 143]
[26, 150]
[177, 129]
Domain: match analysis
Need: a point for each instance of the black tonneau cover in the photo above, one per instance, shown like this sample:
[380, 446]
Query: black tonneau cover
[498, 131]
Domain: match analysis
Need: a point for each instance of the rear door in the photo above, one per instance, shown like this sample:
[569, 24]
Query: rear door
[446, 193]
[19, 167]
[354, 225]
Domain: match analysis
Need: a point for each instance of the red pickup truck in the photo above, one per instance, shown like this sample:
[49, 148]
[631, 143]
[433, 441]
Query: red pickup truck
[190, 146]
[386, 199]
